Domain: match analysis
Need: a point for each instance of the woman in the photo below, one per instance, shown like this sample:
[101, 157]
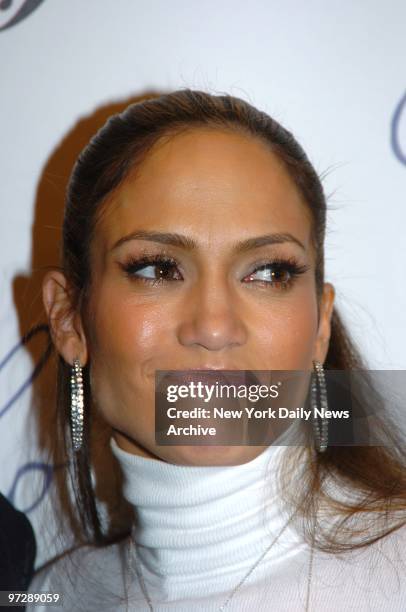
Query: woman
[193, 239]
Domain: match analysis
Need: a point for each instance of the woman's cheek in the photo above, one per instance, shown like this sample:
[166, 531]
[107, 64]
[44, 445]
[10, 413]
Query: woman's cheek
[286, 335]
[125, 324]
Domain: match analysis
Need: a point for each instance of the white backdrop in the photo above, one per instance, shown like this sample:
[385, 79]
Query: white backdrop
[331, 72]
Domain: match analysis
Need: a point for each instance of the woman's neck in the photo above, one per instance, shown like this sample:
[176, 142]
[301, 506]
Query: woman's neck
[195, 521]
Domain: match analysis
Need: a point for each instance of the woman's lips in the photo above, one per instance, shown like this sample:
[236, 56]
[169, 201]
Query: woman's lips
[208, 377]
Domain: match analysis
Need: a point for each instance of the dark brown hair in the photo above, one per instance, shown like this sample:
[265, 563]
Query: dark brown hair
[375, 473]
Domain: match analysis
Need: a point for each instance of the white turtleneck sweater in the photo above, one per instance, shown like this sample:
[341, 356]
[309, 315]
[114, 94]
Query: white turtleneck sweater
[199, 532]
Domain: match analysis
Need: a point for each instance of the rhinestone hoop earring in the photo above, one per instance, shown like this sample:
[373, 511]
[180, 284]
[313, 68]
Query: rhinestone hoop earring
[319, 389]
[76, 407]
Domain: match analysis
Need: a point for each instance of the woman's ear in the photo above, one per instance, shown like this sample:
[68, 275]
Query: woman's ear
[324, 329]
[65, 324]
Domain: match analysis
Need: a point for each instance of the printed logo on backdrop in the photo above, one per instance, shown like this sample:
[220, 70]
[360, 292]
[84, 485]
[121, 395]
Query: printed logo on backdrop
[26, 471]
[14, 11]
[398, 130]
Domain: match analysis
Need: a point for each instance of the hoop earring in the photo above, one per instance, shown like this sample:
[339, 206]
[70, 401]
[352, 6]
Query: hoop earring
[76, 406]
[319, 389]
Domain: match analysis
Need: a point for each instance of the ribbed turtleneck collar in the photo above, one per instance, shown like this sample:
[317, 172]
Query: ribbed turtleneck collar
[198, 523]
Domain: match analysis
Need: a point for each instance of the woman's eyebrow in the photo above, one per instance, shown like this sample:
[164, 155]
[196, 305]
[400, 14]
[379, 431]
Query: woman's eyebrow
[188, 244]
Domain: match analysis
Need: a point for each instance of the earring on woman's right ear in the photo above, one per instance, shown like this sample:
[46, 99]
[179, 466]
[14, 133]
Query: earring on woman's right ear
[77, 405]
[319, 390]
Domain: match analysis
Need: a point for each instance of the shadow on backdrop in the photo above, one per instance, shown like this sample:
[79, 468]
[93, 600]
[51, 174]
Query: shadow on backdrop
[27, 293]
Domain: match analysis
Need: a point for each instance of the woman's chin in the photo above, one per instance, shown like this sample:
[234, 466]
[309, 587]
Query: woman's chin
[209, 455]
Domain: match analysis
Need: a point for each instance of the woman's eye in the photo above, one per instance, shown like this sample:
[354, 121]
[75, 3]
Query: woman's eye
[276, 274]
[270, 274]
[155, 272]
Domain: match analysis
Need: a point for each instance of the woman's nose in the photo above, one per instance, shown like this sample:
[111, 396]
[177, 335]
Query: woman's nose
[211, 319]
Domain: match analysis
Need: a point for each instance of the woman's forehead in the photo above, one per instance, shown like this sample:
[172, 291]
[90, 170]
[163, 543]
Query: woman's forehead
[208, 183]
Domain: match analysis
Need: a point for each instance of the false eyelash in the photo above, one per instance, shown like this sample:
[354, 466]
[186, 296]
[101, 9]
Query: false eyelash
[132, 266]
[282, 263]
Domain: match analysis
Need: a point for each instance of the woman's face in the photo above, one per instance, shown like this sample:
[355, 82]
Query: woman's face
[184, 277]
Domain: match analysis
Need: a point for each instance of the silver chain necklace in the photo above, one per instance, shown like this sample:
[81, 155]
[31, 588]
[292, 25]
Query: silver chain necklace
[136, 568]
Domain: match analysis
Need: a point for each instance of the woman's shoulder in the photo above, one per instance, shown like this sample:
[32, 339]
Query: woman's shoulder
[377, 570]
[393, 548]
[83, 577]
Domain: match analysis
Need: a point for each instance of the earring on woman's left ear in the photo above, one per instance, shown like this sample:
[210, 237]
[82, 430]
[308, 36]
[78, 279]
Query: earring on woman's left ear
[319, 390]
[77, 405]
